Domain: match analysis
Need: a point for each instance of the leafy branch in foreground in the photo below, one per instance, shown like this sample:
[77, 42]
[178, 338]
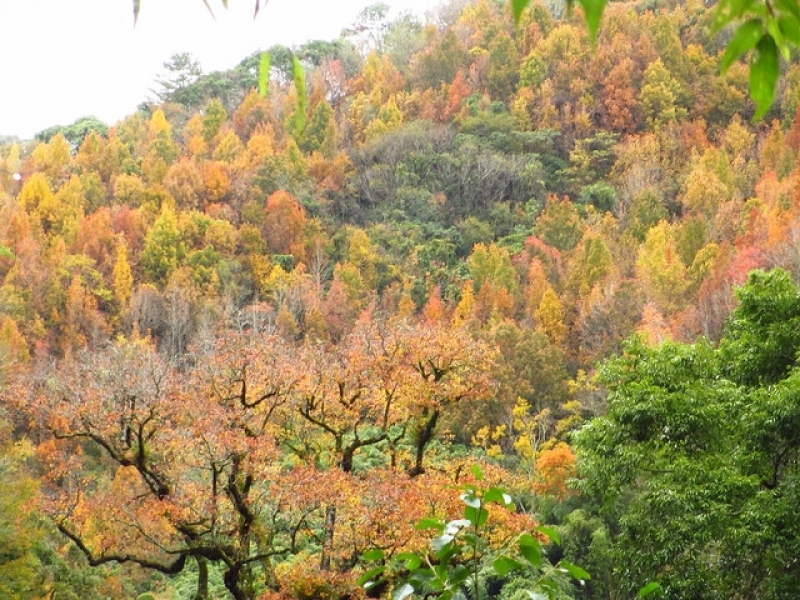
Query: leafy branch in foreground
[137, 5]
[764, 30]
[460, 556]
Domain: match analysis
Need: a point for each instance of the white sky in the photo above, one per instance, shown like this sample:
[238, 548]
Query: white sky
[64, 59]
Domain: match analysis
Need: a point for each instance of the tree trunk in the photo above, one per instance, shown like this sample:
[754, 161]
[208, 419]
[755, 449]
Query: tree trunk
[202, 579]
[327, 542]
[237, 582]
[424, 435]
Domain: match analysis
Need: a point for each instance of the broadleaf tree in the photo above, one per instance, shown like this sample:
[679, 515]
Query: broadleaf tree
[696, 461]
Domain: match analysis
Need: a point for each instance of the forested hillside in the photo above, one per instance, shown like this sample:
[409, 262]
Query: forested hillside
[247, 337]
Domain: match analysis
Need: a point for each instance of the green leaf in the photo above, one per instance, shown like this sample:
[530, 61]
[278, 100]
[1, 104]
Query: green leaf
[402, 592]
[477, 472]
[300, 86]
[422, 576]
[739, 7]
[593, 9]
[424, 524]
[774, 30]
[137, 5]
[764, 70]
[731, 11]
[503, 565]
[441, 576]
[263, 74]
[412, 561]
[459, 575]
[650, 588]
[477, 516]
[790, 28]
[517, 6]
[744, 40]
[549, 532]
[445, 557]
[789, 6]
[574, 570]
[367, 580]
[373, 554]
[498, 496]
[531, 549]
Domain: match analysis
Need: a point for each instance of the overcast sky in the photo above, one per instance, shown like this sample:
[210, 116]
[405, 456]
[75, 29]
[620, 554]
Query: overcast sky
[64, 59]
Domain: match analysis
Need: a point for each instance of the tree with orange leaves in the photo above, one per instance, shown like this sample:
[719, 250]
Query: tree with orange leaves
[152, 464]
[284, 225]
[381, 389]
[146, 465]
[554, 468]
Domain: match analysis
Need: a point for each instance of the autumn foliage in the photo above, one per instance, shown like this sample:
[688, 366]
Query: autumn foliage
[246, 343]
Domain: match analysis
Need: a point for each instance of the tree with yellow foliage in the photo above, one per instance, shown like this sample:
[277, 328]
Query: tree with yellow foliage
[122, 275]
[550, 317]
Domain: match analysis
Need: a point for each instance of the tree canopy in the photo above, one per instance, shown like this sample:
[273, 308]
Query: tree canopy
[697, 457]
